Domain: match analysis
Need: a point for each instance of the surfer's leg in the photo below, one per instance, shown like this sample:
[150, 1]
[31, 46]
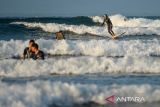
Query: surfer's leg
[111, 32]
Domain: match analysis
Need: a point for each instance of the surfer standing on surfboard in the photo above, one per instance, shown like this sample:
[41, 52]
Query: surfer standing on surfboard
[110, 25]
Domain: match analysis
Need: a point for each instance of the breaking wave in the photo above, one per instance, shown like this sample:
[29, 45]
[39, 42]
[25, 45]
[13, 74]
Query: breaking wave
[90, 48]
[132, 26]
[48, 94]
[51, 82]
[79, 65]
[122, 21]
[93, 57]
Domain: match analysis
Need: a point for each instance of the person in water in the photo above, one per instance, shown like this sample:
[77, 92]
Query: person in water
[27, 51]
[60, 35]
[38, 54]
[109, 24]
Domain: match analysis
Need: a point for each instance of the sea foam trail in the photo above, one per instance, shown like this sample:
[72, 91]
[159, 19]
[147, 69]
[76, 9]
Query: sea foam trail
[132, 26]
[46, 93]
[91, 47]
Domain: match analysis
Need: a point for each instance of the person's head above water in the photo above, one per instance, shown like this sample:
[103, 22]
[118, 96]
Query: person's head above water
[35, 47]
[105, 16]
[31, 42]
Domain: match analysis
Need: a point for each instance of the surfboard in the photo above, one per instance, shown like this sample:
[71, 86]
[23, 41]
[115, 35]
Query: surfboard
[118, 36]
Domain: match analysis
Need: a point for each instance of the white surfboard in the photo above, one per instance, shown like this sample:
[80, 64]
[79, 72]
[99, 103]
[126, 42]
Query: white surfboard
[116, 37]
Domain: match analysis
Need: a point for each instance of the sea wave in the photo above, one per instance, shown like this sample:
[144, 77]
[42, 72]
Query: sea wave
[90, 48]
[47, 93]
[132, 26]
[90, 57]
[79, 66]
[122, 21]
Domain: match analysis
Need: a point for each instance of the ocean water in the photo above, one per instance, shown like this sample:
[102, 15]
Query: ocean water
[84, 69]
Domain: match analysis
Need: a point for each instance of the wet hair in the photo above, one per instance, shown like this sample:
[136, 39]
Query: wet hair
[105, 15]
[31, 41]
[35, 46]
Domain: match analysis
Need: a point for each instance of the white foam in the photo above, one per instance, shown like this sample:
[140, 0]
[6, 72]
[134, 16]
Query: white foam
[53, 27]
[132, 26]
[9, 48]
[43, 94]
[78, 65]
[136, 57]
[122, 21]
[91, 47]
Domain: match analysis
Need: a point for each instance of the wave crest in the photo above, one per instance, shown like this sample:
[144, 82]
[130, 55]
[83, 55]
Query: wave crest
[122, 21]
[40, 93]
[132, 26]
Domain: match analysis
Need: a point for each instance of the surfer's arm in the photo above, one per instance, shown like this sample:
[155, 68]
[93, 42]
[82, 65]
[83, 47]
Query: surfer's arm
[103, 23]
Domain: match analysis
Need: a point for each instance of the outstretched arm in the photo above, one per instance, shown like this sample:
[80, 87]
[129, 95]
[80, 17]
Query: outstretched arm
[103, 23]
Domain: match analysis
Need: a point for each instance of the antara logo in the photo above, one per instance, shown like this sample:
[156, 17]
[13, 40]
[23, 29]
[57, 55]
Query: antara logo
[113, 99]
